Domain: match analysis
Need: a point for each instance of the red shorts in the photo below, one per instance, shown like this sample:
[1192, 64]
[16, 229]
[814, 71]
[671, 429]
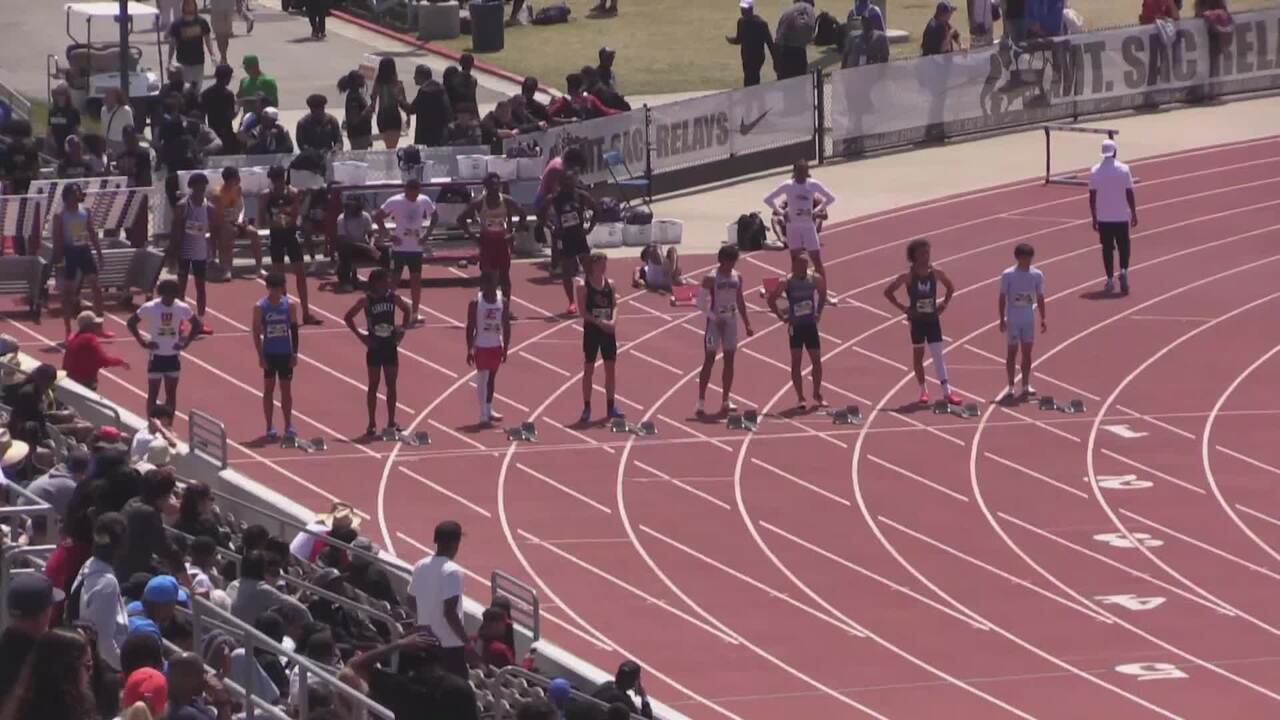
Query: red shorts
[495, 251]
[488, 358]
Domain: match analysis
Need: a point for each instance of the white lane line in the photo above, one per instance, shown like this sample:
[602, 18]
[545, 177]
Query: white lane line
[1258, 515]
[580, 541]
[913, 476]
[878, 578]
[1246, 458]
[771, 592]
[995, 570]
[1176, 318]
[881, 358]
[680, 484]
[503, 398]
[801, 483]
[695, 433]
[1153, 471]
[544, 363]
[459, 435]
[1159, 423]
[1202, 545]
[868, 308]
[1036, 475]
[1039, 424]
[565, 489]
[444, 491]
[656, 361]
[628, 587]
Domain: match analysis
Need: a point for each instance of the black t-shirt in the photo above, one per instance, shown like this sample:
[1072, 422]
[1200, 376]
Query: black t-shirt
[319, 133]
[440, 697]
[219, 105]
[570, 218]
[21, 165]
[63, 122]
[15, 647]
[934, 37]
[135, 165]
[358, 124]
[188, 37]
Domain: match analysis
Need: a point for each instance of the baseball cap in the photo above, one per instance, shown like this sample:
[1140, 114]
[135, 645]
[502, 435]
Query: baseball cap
[945, 6]
[1108, 148]
[271, 112]
[164, 589]
[31, 594]
[749, 4]
[88, 319]
[148, 686]
[250, 61]
[139, 624]
[560, 688]
[448, 531]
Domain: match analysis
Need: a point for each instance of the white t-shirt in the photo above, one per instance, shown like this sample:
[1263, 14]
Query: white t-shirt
[1020, 290]
[113, 122]
[410, 217]
[1111, 178]
[304, 543]
[163, 323]
[436, 579]
[801, 199]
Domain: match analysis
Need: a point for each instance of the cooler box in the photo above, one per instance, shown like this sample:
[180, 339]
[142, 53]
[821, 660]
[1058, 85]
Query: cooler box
[668, 231]
[348, 172]
[505, 167]
[732, 232]
[472, 167]
[253, 180]
[606, 235]
[306, 180]
[637, 235]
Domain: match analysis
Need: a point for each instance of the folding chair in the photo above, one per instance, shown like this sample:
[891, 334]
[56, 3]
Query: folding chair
[614, 160]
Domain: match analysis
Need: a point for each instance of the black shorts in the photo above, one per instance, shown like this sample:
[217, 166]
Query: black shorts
[598, 342]
[159, 366]
[1111, 234]
[574, 245]
[278, 365]
[77, 262]
[402, 260]
[194, 268]
[382, 354]
[284, 241]
[804, 335]
[926, 330]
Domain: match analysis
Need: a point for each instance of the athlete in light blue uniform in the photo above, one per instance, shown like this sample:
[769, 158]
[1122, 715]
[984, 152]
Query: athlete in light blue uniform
[275, 335]
[1021, 288]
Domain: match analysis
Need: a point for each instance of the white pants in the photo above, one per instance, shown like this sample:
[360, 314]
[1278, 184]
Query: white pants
[803, 236]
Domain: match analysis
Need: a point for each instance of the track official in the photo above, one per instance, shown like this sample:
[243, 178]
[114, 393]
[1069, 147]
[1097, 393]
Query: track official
[1114, 210]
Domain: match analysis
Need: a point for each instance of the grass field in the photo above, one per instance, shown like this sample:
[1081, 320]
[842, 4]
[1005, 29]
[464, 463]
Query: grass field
[678, 45]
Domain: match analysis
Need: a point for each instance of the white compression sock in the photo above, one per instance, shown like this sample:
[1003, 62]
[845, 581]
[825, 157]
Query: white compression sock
[482, 386]
[939, 365]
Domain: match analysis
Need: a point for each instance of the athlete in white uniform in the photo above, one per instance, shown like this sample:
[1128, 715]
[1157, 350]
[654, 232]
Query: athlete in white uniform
[488, 337]
[1021, 287]
[164, 317]
[721, 301]
[805, 198]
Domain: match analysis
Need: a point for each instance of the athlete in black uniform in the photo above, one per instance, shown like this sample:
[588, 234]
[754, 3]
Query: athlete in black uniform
[924, 313]
[382, 338]
[599, 332]
[278, 209]
[571, 213]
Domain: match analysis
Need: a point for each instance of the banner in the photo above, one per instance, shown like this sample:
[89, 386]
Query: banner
[932, 97]
[624, 132]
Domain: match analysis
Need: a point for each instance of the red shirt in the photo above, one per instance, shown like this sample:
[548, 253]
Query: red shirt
[84, 357]
[64, 564]
[495, 653]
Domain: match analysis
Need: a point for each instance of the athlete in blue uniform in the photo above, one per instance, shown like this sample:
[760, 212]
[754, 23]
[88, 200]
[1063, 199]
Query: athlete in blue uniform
[806, 295]
[275, 335]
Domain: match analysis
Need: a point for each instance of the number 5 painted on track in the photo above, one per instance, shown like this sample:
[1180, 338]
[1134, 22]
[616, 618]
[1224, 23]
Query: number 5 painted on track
[1152, 671]
[1131, 602]
[1119, 540]
[1122, 482]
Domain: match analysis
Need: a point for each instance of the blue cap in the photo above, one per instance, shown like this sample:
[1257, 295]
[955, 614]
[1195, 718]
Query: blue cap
[139, 624]
[559, 689]
[134, 608]
[164, 589]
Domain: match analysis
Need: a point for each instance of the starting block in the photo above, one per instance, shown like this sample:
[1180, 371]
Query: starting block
[1074, 407]
[851, 415]
[968, 410]
[619, 425]
[941, 407]
[316, 444]
[749, 420]
[645, 429]
[416, 439]
[1047, 403]
[684, 295]
[527, 432]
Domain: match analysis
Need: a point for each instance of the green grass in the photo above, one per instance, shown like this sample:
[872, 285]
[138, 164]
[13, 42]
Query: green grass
[678, 45]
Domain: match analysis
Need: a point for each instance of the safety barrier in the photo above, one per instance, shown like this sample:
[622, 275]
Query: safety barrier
[207, 436]
[525, 611]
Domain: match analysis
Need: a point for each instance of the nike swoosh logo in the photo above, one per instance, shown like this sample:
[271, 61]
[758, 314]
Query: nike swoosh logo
[745, 127]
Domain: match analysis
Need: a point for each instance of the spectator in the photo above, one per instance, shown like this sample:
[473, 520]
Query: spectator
[619, 689]
[203, 567]
[604, 68]
[135, 163]
[1221, 29]
[939, 37]
[537, 710]
[436, 588]
[752, 38]
[84, 355]
[30, 600]
[617, 711]
[13, 456]
[27, 406]
[104, 682]
[254, 595]
[354, 241]
[142, 648]
[317, 11]
[560, 695]
[73, 165]
[189, 38]
[115, 115]
[1153, 10]
[219, 106]
[604, 8]
[196, 512]
[575, 104]
[388, 101]
[148, 686]
[54, 685]
[607, 96]
[145, 516]
[95, 593]
[981, 22]
[464, 130]
[64, 119]
[795, 31]
[462, 85]
[500, 124]
[867, 12]
[309, 543]
[368, 576]
[320, 648]
[255, 83]
[160, 597]
[191, 692]
[269, 137]
[73, 549]
[95, 155]
[21, 163]
[868, 46]
[58, 485]
[318, 130]
[357, 112]
[432, 107]
[263, 668]
[159, 426]
[1014, 13]
[522, 118]
[422, 688]
[532, 105]
[491, 640]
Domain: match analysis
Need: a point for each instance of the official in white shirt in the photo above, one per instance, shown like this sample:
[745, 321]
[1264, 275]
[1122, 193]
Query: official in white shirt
[1114, 209]
[436, 589]
[805, 205]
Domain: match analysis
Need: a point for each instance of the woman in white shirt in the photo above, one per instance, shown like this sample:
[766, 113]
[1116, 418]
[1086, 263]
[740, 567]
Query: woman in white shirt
[113, 118]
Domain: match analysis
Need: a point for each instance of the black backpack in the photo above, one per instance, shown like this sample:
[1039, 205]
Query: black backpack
[828, 31]
[638, 216]
[608, 210]
[552, 14]
[751, 232]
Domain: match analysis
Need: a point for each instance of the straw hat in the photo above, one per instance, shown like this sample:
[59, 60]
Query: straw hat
[12, 451]
[340, 515]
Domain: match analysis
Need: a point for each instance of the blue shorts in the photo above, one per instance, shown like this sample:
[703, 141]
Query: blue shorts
[77, 262]
[1021, 330]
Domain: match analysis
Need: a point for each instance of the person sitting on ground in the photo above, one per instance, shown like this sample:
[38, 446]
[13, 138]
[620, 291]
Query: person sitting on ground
[354, 241]
[606, 94]
[318, 130]
[619, 690]
[432, 108]
[269, 137]
[659, 272]
[576, 104]
[84, 356]
[939, 36]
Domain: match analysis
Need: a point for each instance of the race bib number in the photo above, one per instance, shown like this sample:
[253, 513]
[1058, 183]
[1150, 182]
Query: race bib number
[167, 328]
[276, 330]
[195, 227]
[1023, 299]
[408, 234]
[570, 219]
[603, 314]
[803, 308]
[925, 305]
[383, 330]
[495, 225]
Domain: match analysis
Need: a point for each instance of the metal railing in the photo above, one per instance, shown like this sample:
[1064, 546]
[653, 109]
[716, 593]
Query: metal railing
[207, 436]
[30, 507]
[524, 601]
[8, 557]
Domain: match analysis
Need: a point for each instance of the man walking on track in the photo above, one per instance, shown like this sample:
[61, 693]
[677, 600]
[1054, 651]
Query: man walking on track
[571, 212]
[1021, 286]
[924, 313]
[804, 198]
[721, 301]
[410, 210]
[495, 211]
[599, 333]
[382, 340]
[1114, 210]
[275, 336]
[164, 317]
[279, 209]
[806, 293]
[195, 222]
[488, 337]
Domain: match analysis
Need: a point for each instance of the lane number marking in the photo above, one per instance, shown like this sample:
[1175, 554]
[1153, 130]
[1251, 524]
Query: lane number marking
[1117, 539]
[1131, 602]
[1152, 671]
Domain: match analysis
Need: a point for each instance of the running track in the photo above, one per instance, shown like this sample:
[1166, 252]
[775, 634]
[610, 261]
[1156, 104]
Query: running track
[1120, 563]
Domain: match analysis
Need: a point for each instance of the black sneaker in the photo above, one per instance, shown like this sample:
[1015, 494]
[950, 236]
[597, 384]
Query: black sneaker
[1124, 283]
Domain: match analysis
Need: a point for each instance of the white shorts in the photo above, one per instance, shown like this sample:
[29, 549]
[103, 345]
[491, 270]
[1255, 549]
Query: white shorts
[722, 337]
[1021, 330]
[803, 236]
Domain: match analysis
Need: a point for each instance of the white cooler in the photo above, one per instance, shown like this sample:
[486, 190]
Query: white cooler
[732, 231]
[606, 235]
[668, 231]
[348, 172]
[637, 235]
[530, 168]
[306, 180]
[253, 180]
[472, 167]
[505, 167]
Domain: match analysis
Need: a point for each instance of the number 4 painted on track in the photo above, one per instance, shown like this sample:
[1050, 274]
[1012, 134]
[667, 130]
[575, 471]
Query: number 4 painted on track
[1116, 539]
[1131, 602]
[1122, 482]
[1152, 671]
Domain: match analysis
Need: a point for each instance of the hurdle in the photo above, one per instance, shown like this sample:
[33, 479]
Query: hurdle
[1068, 178]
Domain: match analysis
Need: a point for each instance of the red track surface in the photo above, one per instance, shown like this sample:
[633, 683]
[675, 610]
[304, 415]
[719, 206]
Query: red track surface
[919, 566]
